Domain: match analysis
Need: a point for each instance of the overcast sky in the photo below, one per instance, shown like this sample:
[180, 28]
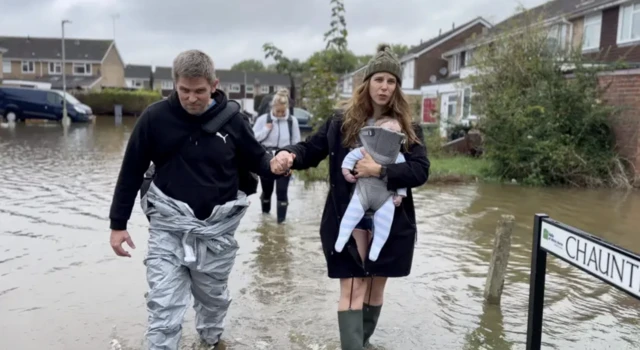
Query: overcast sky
[154, 31]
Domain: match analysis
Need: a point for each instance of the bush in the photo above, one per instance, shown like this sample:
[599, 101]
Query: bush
[133, 102]
[542, 120]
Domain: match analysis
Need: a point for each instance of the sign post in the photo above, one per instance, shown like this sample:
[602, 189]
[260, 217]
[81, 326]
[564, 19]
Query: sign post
[605, 261]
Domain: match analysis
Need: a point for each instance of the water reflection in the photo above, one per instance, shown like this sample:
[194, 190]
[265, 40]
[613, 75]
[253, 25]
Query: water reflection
[490, 334]
[273, 278]
[62, 288]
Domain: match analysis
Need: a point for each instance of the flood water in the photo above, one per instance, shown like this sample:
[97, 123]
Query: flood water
[62, 287]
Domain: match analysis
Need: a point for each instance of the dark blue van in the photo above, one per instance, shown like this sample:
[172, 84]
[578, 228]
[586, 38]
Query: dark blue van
[19, 104]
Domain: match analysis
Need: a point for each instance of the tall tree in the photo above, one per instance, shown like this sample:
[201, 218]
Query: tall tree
[323, 81]
[283, 65]
[399, 49]
[250, 65]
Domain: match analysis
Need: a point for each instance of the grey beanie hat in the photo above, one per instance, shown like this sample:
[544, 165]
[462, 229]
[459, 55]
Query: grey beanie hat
[384, 61]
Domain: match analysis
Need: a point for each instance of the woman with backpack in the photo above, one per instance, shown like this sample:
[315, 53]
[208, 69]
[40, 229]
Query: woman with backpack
[274, 130]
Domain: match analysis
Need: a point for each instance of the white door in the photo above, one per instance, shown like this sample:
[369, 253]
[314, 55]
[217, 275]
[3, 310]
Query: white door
[449, 112]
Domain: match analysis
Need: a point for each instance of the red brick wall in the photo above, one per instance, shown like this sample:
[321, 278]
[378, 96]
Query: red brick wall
[624, 90]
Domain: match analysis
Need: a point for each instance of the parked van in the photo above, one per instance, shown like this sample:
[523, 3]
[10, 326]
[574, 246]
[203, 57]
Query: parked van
[20, 104]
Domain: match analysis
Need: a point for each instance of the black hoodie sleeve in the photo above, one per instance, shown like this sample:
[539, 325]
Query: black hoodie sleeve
[137, 159]
[253, 154]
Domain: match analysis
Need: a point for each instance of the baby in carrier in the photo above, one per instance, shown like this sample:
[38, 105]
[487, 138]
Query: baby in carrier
[383, 142]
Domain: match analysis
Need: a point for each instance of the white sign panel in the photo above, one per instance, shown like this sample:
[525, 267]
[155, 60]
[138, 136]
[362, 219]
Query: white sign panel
[619, 269]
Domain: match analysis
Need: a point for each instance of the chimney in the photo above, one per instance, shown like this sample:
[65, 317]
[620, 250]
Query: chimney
[440, 32]
[453, 25]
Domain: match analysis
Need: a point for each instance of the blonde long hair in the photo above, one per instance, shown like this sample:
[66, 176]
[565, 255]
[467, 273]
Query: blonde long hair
[360, 107]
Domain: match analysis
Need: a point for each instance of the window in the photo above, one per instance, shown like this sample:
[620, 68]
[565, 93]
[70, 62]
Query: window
[136, 83]
[55, 67]
[466, 103]
[468, 58]
[592, 29]
[629, 23]
[54, 99]
[454, 64]
[6, 66]
[557, 37]
[249, 89]
[235, 88]
[264, 89]
[452, 106]
[82, 69]
[28, 67]
[407, 74]
[167, 85]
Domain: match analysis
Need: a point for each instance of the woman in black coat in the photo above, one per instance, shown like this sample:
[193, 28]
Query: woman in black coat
[362, 281]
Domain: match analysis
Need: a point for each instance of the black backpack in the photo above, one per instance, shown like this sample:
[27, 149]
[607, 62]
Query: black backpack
[248, 181]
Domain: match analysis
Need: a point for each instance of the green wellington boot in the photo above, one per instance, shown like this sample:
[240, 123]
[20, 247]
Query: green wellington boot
[351, 333]
[370, 315]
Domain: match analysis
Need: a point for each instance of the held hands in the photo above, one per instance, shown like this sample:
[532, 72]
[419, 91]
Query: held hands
[282, 162]
[367, 167]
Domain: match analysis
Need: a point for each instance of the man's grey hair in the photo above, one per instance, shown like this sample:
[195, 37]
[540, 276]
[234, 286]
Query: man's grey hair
[194, 64]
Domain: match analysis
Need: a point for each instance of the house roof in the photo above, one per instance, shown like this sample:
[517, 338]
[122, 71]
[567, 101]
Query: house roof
[137, 71]
[546, 12]
[435, 41]
[163, 73]
[555, 8]
[51, 48]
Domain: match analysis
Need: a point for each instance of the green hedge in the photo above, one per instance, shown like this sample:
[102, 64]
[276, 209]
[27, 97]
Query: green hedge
[133, 102]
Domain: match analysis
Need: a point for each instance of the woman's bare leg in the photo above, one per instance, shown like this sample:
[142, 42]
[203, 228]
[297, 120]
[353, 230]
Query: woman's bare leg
[352, 290]
[363, 239]
[375, 290]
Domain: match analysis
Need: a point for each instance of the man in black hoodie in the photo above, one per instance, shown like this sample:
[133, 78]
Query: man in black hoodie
[194, 203]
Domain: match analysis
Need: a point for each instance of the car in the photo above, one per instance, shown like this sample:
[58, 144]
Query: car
[19, 104]
[304, 118]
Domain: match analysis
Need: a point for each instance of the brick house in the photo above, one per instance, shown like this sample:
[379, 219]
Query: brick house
[596, 28]
[425, 60]
[423, 63]
[138, 76]
[602, 30]
[89, 63]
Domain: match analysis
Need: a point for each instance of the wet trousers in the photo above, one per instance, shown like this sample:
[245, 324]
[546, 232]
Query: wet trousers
[173, 279]
[282, 188]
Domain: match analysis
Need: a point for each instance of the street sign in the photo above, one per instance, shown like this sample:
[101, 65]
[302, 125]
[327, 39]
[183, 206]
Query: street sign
[593, 255]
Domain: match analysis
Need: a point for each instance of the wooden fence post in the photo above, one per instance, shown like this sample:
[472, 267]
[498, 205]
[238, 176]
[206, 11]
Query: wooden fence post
[499, 260]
